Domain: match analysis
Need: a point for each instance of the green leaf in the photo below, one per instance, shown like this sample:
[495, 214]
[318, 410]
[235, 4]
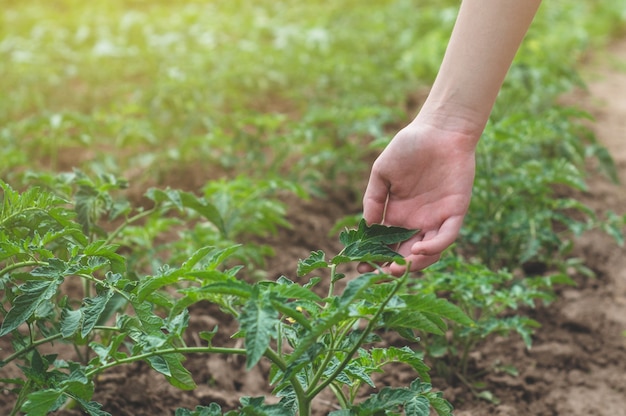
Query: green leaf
[92, 408]
[419, 406]
[376, 233]
[371, 243]
[206, 209]
[170, 365]
[315, 261]
[429, 303]
[92, 310]
[77, 385]
[212, 410]
[291, 311]
[39, 403]
[357, 286]
[34, 293]
[166, 276]
[388, 399]
[259, 320]
[149, 320]
[382, 356]
[70, 322]
[208, 335]
[169, 195]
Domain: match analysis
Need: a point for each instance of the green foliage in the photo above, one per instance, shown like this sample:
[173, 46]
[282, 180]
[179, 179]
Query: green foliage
[493, 300]
[125, 314]
[529, 171]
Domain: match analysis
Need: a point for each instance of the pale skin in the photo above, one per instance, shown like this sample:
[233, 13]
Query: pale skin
[424, 177]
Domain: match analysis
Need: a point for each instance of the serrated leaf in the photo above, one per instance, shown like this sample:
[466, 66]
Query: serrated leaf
[161, 195]
[295, 291]
[170, 365]
[316, 260]
[371, 243]
[34, 293]
[39, 403]
[148, 319]
[419, 406]
[403, 355]
[429, 303]
[259, 320]
[338, 312]
[92, 408]
[78, 386]
[387, 399]
[376, 233]
[206, 209]
[208, 335]
[165, 277]
[70, 322]
[92, 310]
[233, 287]
[212, 410]
[357, 286]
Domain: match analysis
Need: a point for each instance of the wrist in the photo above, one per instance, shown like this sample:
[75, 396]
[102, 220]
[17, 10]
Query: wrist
[465, 123]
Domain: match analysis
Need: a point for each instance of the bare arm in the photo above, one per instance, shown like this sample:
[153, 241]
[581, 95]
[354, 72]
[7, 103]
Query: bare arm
[424, 178]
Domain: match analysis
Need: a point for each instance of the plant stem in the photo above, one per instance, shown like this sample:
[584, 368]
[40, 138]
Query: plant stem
[186, 350]
[126, 222]
[22, 264]
[315, 390]
[100, 282]
[30, 347]
[343, 402]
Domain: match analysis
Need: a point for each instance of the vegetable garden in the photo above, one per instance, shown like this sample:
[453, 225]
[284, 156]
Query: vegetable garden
[180, 220]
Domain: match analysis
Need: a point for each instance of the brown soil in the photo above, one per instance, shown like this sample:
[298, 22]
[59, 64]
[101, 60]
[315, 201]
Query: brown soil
[577, 366]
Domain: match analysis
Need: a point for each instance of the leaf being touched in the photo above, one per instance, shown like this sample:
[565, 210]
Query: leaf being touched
[370, 243]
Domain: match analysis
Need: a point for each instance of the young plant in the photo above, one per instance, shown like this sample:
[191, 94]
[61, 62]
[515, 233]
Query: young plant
[314, 343]
[492, 299]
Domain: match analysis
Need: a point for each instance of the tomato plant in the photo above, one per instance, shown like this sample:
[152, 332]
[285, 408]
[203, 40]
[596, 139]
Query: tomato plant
[314, 342]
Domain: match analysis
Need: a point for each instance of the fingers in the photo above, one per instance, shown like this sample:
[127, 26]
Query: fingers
[416, 262]
[375, 200]
[436, 241]
[424, 252]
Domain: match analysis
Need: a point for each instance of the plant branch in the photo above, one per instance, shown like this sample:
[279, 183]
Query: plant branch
[20, 265]
[370, 327]
[30, 347]
[127, 222]
[185, 350]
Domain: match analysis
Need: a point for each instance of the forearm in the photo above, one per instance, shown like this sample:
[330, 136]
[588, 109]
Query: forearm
[484, 41]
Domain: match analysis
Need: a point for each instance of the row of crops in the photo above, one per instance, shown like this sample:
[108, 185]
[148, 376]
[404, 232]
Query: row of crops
[147, 147]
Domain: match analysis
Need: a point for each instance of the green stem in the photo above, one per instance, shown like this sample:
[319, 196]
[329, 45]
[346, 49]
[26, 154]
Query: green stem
[126, 222]
[30, 347]
[304, 403]
[341, 398]
[331, 287]
[186, 350]
[22, 264]
[370, 327]
[51, 338]
[100, 282]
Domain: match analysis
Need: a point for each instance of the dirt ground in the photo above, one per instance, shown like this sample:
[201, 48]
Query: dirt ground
[577, 366]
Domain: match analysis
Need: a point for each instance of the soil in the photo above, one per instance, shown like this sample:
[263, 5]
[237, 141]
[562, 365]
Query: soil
[576, 367]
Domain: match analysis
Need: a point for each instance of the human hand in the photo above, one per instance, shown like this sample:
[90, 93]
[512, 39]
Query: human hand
[422, 180]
